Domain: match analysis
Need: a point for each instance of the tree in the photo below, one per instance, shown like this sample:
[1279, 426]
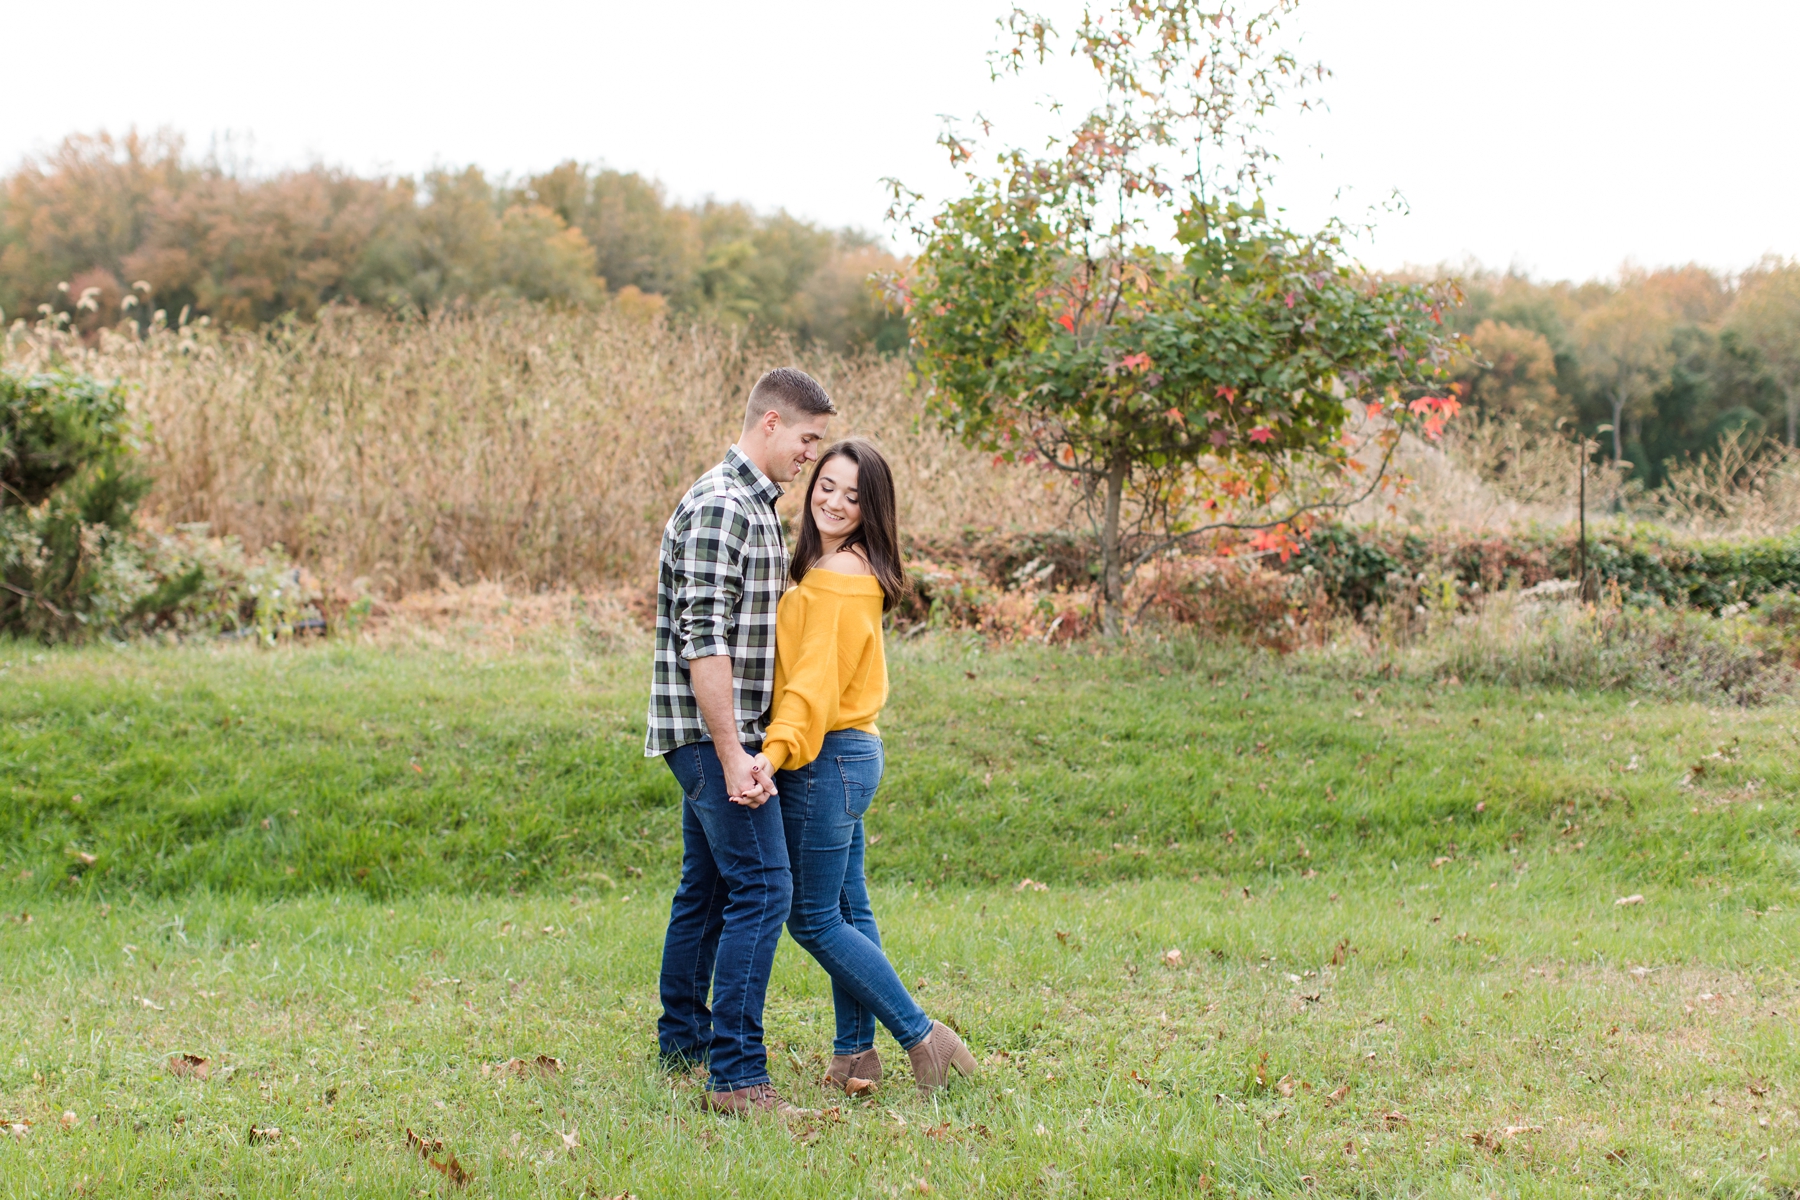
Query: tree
[1626, 354]
[1767, 317]
[1515, 377]
[1205, 373]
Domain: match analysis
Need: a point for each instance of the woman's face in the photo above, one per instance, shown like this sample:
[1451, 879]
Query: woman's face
[834, 507]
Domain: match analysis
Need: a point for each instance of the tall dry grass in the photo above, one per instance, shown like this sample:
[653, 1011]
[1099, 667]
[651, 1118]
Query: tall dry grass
[509, 442]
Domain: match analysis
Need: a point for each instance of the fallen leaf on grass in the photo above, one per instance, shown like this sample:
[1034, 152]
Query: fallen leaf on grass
[855, 1086]
[572, 1140]
[1615, 1156]
[1029, 884]
[69, 1120]
[1140, 1080]
[1285, 1085]
[1337, 1095]
[1172, 957]
[190, 1066]
[543, 1065]
[19, 1129]
[450, 1168]
[1512, 1131]
[1622, 901]
[1396, 1118]
[149, 1003]
[268, 1133]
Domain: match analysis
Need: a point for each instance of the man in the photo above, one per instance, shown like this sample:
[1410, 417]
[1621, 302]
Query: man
[724, 565]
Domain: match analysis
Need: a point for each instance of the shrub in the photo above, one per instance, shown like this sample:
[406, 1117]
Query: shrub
[68, 488]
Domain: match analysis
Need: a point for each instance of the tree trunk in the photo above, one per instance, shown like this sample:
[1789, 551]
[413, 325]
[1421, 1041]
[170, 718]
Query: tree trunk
[1112, 567]
[1793, 415]
[1618, 407]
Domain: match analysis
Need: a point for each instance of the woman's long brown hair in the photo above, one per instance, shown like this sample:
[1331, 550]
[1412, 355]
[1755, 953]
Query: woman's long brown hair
[879, 534]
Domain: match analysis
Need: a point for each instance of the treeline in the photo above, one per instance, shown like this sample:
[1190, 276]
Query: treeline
[135, 225]
[1657, 366]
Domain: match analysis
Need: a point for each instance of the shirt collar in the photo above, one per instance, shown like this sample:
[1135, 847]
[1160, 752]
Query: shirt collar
[751, 476]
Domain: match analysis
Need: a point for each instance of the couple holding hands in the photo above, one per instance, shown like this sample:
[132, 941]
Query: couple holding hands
[767, 680]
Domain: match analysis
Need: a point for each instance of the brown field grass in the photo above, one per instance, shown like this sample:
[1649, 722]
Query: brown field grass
[511, 442]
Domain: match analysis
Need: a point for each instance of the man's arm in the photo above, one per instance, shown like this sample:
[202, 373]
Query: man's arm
[711, 680]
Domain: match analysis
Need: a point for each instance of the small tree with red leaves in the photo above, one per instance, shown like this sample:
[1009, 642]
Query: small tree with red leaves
[1235, 375]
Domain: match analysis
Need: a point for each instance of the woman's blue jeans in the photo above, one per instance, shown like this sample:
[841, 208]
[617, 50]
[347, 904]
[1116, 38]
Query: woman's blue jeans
[822, 806]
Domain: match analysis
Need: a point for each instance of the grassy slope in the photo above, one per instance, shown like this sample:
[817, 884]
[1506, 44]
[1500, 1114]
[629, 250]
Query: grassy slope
[391, 771]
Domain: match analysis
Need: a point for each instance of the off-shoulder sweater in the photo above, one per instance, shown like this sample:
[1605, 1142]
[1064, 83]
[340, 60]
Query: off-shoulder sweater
[830, 672]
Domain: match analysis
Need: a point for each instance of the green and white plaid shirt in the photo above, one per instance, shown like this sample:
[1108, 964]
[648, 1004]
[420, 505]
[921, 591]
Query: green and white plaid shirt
[723, 569]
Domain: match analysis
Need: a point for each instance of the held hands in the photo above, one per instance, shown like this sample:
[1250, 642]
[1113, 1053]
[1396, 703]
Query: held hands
[750, 780]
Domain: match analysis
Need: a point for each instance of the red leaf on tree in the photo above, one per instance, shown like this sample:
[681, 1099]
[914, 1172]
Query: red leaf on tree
[1135, 362]
[1067, 322]
[1290, 299]
[1262, 433]
[1219, 437]
[1227, 393]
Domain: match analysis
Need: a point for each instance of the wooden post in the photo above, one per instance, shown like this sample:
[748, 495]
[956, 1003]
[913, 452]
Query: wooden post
[1581, 504]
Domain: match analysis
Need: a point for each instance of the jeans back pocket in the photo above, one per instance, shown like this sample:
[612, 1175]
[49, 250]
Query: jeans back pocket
[862, 775]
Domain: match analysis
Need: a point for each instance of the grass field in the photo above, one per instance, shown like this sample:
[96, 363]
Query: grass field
[358, 880]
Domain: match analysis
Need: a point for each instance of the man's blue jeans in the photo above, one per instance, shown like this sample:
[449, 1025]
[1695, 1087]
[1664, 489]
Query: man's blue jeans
[735, 891]
[822, 806]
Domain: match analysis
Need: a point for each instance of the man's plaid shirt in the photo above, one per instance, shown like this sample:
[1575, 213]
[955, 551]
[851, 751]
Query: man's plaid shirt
[723, 569]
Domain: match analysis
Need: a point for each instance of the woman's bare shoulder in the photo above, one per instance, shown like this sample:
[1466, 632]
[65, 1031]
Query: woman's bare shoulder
[844, 562]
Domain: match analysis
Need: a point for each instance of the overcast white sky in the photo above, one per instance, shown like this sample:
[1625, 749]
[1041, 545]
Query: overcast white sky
[1560, 137]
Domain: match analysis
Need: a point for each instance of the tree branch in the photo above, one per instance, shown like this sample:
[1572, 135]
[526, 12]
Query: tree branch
[1177, 539]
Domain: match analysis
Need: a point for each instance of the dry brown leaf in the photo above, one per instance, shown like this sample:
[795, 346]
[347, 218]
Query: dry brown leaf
[572, 1140]
[1029, 884]
[190, 1066]
[69, 1120]
[543, 1065]
[1396, 1118]
[1285, 1085]
[267, 1133]
[1172, 957]
[1622, 901]
[1337, 1095]
[858, 1087]
[452, 1170]
[20, 1129]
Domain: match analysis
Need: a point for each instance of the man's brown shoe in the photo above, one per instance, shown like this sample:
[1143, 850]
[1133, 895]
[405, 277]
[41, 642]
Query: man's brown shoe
[763, 1098]
[933, 1058]
[854, 1074]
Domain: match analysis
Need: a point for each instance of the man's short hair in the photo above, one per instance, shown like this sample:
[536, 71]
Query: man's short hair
[792, 392]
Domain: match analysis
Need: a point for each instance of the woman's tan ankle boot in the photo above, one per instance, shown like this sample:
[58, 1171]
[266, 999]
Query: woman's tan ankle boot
[933, 1058]
[854, 1074]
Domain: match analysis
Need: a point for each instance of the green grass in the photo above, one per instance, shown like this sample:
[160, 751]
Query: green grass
[363, 964]
[1462, 1009]
[388, 772]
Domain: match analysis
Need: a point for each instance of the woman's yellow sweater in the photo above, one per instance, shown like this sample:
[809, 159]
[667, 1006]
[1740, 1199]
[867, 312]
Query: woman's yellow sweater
[830, 672]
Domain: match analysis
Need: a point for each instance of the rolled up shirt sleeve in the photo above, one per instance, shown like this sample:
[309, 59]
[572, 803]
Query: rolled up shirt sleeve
[709, 578]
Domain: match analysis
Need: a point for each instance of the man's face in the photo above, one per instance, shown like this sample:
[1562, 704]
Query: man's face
[793, 443]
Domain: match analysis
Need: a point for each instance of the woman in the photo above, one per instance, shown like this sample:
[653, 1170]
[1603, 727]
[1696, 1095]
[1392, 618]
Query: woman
[830, 684]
